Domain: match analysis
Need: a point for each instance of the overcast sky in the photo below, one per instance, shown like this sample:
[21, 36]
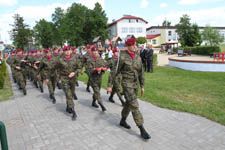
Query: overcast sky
[202, 12]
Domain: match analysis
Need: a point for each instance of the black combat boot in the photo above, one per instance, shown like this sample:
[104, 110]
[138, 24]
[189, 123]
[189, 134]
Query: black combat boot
[77, 84]
[41, 87]
[74, 115]
[53, 99]
[124, 124]
[24, 92]
[69, 110]
[102, 107]
[75, 96]
[144, 133]
[94, 103]
[59, 85]
[122, 102]
[35, 83]
[88, 89]
[111, 99]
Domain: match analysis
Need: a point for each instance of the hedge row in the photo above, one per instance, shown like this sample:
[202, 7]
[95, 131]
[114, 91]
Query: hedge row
[2, 74]
[202, 50]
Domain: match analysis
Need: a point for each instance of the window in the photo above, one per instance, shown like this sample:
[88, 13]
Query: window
[139, 30]
[170, 33]
[131, 30]
[110, 32]
[154, 42]
[124, 30]
[132, 20]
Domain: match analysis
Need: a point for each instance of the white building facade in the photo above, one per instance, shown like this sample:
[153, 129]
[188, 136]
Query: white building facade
[127, 25]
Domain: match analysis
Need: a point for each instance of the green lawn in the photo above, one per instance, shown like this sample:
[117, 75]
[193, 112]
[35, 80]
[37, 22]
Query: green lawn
[6, 92]
[201, 93]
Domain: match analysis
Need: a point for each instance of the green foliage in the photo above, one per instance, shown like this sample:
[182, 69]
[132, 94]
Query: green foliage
[43, 32]
[212, 36]
[2, 74]
[189, 35]
[202, 50]
[166, 23]
[141, 40]
[20, 33]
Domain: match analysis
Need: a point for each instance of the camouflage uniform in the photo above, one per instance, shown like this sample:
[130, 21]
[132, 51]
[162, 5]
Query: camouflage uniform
[57, 72]
[131, 71]
[84, 64]
[96, 78]
[40, 79]
[48, 67]
[66, 67]
[114, 79]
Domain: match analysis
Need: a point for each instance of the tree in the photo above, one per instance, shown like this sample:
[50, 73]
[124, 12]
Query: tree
[20, 34]
[212, 36]
[189, 34]
[166, 23]
[141, 40]
[57, 19]
[43, 31]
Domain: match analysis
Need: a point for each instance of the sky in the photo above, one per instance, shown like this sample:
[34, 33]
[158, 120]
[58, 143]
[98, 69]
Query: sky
[202, 12]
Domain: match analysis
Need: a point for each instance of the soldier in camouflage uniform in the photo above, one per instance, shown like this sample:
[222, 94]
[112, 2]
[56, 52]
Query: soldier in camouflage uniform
[9, 62]
[86, 56]
[74, 52]
[113, 79]
[130, 67]
[37, 61]
[33, 71]
[19, 65]
[25, 54]
[96, 67]
[56, 55]
[68, 65]
[48, 67]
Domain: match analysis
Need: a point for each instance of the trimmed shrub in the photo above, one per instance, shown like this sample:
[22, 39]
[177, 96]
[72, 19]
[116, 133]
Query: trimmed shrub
[202, 50]
[2, 74]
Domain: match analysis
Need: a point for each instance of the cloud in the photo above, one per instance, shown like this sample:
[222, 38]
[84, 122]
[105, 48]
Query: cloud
[8, 2]
[31, 14]
[91, 3]
[144, 3]
[163, 5]
[194, 2]
[202, 17]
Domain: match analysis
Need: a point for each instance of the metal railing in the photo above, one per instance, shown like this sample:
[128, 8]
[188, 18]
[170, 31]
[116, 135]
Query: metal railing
[3, 137]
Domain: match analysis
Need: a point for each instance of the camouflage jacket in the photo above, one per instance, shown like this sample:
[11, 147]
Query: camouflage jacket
[10, 59]
[17, 61]
[84, 59]
[131, 70]
[92, 64]
[66, 67]
[47, 67]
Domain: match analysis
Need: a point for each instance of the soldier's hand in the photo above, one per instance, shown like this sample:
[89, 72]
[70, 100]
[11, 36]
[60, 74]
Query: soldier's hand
[142, 91]
[35, 67]
[46, 81]
[58, 76]
[38, 76]
[36, 62]
[109, 90]
[18, 68]
[71, 74]
[23, 60]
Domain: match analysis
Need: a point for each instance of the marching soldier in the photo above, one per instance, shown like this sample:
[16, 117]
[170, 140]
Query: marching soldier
[96, 67]
[113, 79]
[19, 65]
[130, 67]
[56, 55]
[37, 61]
[47, 65]
[68, 66]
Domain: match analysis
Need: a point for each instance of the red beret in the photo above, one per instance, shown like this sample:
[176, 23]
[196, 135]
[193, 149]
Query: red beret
[130, 41]
[47, 50]
[55, 48]
[38, 50]
[66, 48]
[88, 47]
[94, 48]
[19, 50]
[115, 50]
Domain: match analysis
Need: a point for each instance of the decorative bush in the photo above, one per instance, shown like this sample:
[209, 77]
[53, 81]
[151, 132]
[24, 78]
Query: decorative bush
[2, 74]
[202, 50]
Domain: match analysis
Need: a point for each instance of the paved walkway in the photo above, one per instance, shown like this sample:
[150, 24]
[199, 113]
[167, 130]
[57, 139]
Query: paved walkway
[34, 123]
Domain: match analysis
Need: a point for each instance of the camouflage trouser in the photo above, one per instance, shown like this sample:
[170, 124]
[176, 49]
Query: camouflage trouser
[51, 84]
[68, 86]
[39, 80]
[116, 88]
[20, 79]
[131, 105]
[31, 74]
[13, 73]
[89, 82]
[96, 86]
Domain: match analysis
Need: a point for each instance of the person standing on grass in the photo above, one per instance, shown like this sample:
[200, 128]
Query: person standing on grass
[130, 68]
[149, 58]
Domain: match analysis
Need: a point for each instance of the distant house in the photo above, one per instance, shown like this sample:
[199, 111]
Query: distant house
[127, 25]
[157, 35]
